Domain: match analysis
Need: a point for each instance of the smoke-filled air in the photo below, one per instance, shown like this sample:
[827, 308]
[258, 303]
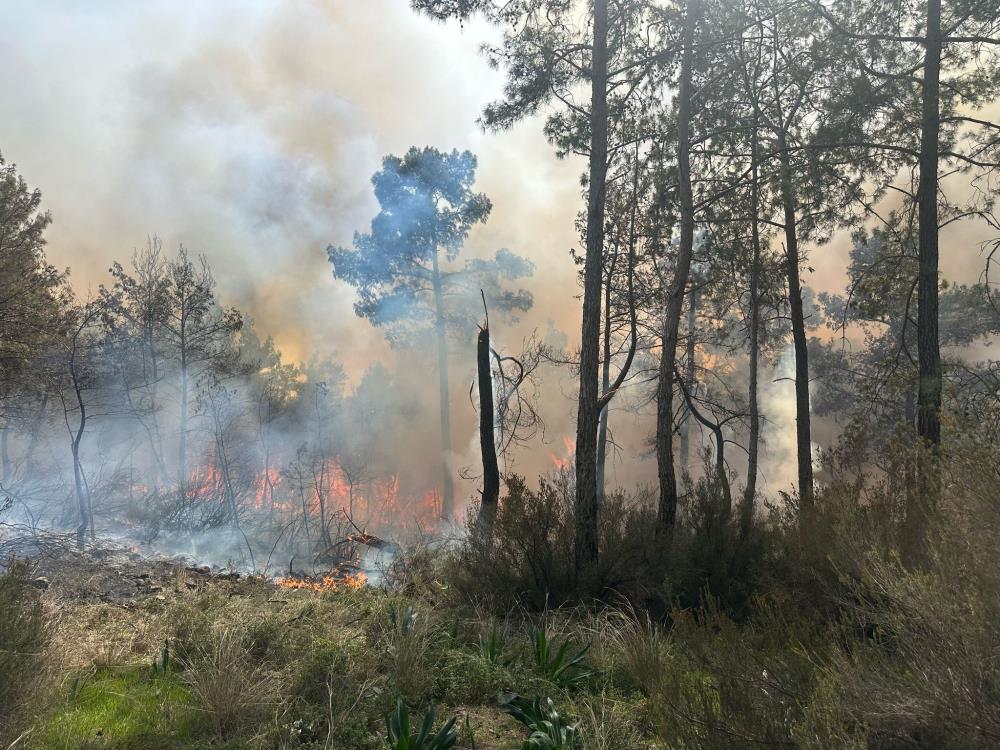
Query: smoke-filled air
[497, 374]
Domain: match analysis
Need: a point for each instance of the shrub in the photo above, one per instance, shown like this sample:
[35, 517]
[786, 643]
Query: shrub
[407, 640]
[736, 684]
[229, 687]
[639, 650]
[923, 668]
[526, 558]
[24, 635]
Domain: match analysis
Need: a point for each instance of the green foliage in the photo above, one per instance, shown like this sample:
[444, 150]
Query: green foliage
[400, 737]
[120, 709]
[161, 665]
[402, 617]
[24, 636]
[526, 561]
[559, 665]
[549, 730]
[492, 645]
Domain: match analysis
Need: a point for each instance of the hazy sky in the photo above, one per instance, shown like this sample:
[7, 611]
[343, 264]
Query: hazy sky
[249, 130]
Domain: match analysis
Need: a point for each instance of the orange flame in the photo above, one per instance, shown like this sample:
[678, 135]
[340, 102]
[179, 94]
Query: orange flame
[350, 581]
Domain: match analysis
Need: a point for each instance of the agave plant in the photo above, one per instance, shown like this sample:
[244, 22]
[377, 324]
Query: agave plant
[492, 646]
[400, 736]
[549, 731]
[559, 667]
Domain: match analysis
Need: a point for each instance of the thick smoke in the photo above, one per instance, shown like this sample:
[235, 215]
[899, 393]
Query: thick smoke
[248, 131]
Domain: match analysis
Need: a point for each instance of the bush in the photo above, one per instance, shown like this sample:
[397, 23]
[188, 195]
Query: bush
[228, 685]
[926, 673]
[24, 636]
[736, 684]
[526, 559]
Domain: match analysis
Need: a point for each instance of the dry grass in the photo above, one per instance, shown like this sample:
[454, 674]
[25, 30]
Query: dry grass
[228, 686]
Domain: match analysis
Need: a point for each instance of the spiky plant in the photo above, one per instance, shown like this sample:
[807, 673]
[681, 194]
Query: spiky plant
[549, 730]
[400, 736]
[559, 667]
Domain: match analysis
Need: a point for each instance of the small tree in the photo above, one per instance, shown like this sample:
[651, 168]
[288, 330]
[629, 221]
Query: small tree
[403, 268]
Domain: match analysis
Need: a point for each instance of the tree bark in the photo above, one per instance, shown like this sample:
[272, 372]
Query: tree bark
[803, 426]
[447, 481]
[928, 345]
[586, 504]
[602, 427]
[667, 511]
[689, 374]
[182, 438]
[750, 492]
[487, 437]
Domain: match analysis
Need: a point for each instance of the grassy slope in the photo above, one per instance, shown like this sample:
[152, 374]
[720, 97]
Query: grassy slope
[337, 658]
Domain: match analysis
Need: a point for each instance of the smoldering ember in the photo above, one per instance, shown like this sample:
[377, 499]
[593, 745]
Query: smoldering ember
[497, 374]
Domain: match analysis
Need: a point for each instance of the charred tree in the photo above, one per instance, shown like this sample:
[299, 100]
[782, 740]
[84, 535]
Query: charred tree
[487, 433]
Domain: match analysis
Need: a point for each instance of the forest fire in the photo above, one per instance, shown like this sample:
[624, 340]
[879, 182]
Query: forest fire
[323, 583]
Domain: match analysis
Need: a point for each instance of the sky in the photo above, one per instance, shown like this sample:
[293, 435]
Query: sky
[248, 130]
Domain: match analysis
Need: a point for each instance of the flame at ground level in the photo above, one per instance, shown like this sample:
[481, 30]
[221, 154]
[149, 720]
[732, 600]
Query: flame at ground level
[327, 582]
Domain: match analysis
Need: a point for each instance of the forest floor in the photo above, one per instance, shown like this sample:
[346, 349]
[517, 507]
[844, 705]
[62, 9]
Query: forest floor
[157, 653]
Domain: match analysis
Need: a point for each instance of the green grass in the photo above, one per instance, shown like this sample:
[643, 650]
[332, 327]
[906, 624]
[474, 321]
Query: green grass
[122, 709]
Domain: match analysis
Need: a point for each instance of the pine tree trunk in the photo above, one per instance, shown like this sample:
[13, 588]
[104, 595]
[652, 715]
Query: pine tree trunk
[689, 374]
[803, 426]
[602, 427]
[667, 511]
[447, 481]
[487, 440]
[750, 493]
[586, 505]
[928, 346]
[182, 438]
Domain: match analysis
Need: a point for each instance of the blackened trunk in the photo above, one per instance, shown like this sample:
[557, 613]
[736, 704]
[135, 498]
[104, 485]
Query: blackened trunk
[803, 426]
[586, 506]
[928, 346]
[447, 481]
[487, 440]
[667, 510]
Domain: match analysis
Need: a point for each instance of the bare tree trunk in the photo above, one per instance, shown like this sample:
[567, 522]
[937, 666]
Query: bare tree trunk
[803, 427]
[928, 346]
[602, 427]
[689, 375]
[586, 504]
[750, 493]
[667, 511]
[76, 438]
[182, 438]
[447, 480]
[487, 438]
[720, 450]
